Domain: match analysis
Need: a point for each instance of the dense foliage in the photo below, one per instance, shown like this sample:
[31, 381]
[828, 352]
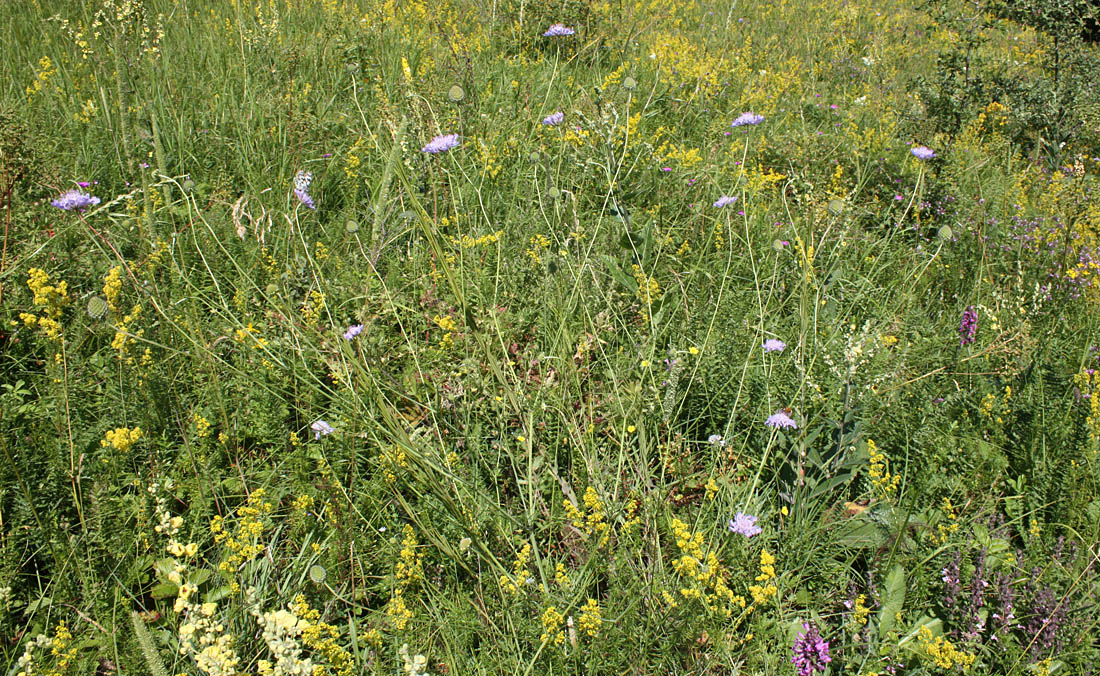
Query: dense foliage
[580, 337]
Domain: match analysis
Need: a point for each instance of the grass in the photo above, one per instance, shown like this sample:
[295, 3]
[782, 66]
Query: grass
[530, 456]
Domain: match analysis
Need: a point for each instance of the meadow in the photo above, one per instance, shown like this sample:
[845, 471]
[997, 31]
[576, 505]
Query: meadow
[599, 337]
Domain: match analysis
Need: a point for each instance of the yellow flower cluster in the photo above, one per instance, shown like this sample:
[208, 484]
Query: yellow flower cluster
[322, 637]
[649, 291]
[467, 242]
[552, 626]
[202, 426]
[312, 307]
[353, 160]
[248, 335]
[407, 571]
[511, 584]
[860, 611]
[280, 630]
[60, 648]
[704, 573]
[632, 516]
[1088, 381]
[392, 459]
[882, 481]
[449, 329]
[410, 563]
[561, 576]
[949, 525]
[592, 520]
[766, 589]
[213, 653]
[537, 245]
[51, 298]
[120, 438]
[112, 287]
[46, 70]
[591, 618]
[943, 653]
[671, 153]
[123, 334]
[243, 543]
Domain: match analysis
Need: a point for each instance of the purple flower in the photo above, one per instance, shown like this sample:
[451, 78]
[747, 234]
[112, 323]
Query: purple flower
[747, 119]
[811, 653]
[302, 179]
[780, 419]
[745, 524]
[923, 153]
[305, 198]
[86, 184]
[968, 326]
[75, 200]
[441, 144]
[725, 201]
[320, 429]
[553, 119]
[774, 345]
[558, 30]
[353, 331]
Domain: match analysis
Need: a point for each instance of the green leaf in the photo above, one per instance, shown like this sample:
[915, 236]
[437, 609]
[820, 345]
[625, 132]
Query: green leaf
[164, 590]
[893, 599]
[618, 275]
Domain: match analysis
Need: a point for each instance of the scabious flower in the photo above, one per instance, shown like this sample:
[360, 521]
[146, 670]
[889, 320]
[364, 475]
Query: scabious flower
[75, 200]
[780, 419]
[716, 440]
[745, 524]
[353, 331]
[774, 345]
[923, 153]
[968, 326]
[320, 429]
[725, 201]
[441, 144]
[558, 30]
[553, 119]
[811, 653]
[747, 119]
[302, 179]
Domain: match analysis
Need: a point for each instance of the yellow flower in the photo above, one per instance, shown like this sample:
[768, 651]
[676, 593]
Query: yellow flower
[591, 618]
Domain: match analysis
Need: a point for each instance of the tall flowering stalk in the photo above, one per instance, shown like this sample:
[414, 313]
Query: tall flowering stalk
[968, 326]
[811, 652]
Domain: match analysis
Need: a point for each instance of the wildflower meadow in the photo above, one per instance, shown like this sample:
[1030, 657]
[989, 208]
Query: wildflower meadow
[633, 337]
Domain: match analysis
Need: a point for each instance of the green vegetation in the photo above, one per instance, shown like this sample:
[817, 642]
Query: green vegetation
[714, 328]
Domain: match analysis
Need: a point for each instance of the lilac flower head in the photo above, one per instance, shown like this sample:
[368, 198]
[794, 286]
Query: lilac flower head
[716, 440]
[320, 429]
[923, 153]
[558, 30]
[968, 326]
[811, 653]
[441, 144]
[725, 201]
[780, 419]
[745, 524]
[553, 119]
[302, 179]
[353, 331]
[774, 345]
[747, 119]
[75, 200]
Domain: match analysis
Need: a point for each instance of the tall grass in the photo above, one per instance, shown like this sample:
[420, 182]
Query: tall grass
[530, 456]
